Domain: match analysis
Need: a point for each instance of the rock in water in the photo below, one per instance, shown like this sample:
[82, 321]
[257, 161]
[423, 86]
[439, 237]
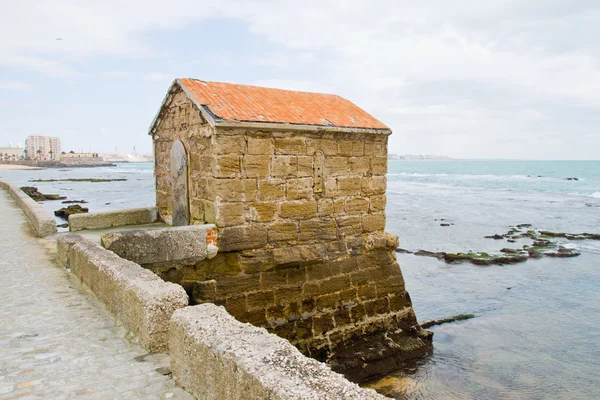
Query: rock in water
[33, 192]
[70, 210]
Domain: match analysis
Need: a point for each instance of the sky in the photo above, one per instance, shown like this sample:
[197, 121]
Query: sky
[510, 79]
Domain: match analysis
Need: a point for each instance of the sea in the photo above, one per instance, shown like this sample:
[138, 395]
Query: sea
[536, 331]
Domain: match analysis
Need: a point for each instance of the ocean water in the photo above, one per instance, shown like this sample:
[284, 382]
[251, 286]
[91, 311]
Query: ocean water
[536, 334]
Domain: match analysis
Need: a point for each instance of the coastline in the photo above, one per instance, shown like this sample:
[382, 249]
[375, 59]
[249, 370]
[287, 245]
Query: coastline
[10, 167]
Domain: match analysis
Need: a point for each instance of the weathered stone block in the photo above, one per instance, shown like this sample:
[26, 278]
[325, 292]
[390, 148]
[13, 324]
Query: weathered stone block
[318, 230]
[260, 146]
[281, 231]
[328, 301]
[331, 189]
[299, 188]
[335, 284]
[227, 144]
[359, 165]
[374, 185]
[349, 185]
[290, 145]
[322, 324]
[324, 207]
[349, 225]
[377, 203]
[261, 211]
[229, 214]
[229, 189]
[392, 285]
[284, 166]
[227, 166]
[236, 305]
[271, 189]
[180, 244]
[339, 206]
[357, 205]
[305, 166]
[253, 261]
[204, 291]
[379, 165]
[295, 254]
[328, 146]
[300, 209]
[335, 166]
[109, 219]
[373, 222]
[242, 237]
[272, 279]
[376, 149]
[256, 166]
[288, 294]
[249, 187]
[232, 285]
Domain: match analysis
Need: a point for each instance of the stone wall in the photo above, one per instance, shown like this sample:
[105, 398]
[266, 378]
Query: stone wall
[213, 356]
[43, 223]
[139, 299]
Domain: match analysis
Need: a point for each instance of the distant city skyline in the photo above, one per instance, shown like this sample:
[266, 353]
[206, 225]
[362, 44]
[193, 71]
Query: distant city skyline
[510, 79]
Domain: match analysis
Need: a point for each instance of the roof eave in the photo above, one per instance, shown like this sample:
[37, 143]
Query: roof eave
[168, 97]
[276, 126]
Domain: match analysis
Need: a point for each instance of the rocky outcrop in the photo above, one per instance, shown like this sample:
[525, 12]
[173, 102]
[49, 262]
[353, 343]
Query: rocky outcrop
[542, 246]
[65, 212]
[33, 192]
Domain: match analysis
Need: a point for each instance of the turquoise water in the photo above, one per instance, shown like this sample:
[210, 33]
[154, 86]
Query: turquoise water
[537, 330]
[541, 176]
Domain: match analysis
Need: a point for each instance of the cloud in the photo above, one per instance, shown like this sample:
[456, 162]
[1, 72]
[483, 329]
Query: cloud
[468, 73]
[18, 86]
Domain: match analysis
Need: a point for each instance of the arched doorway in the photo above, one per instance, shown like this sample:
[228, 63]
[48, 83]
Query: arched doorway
[179, 176]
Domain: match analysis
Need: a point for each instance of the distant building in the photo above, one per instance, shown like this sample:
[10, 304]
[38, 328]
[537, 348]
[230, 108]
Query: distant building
[68, 156]
[42, 147]
[11, 153]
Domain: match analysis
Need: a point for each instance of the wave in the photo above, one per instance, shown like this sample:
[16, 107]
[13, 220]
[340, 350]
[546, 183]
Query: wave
[595, 195]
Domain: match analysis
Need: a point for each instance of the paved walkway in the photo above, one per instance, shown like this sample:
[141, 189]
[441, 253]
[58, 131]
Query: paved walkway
[56, 341]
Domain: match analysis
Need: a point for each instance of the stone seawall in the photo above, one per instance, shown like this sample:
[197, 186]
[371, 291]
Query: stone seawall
[214, 356]
[137, 297]
[43, 223]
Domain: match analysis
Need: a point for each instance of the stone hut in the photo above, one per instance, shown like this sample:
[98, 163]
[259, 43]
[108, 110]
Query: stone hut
[295, 183]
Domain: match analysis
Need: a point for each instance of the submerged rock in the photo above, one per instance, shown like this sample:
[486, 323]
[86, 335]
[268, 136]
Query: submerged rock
[33, 192]
[70, 210]
[74, 201]
[434, 322]
[65, 225]
[482, 258]
[403, 251]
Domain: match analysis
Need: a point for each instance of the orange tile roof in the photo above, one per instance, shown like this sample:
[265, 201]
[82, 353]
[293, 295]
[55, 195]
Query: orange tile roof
[232, 102]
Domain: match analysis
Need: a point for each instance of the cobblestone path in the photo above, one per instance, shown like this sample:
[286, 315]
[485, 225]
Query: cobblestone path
[57, 342]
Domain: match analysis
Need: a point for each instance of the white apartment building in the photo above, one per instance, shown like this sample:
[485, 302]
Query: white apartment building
[42, 147]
